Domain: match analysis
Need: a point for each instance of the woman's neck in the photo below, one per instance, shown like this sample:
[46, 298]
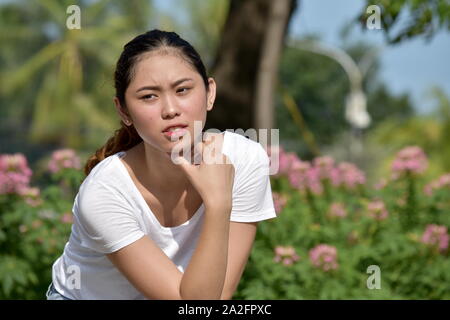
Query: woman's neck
[159, 172]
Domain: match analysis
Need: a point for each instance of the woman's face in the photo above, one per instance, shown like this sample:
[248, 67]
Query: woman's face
[166, 90]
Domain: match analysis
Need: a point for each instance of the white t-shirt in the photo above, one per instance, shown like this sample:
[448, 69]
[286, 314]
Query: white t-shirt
[110, 213]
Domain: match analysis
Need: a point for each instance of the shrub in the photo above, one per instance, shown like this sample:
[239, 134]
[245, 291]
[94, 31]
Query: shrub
[339, 227]
[330, 230]
[34, 225]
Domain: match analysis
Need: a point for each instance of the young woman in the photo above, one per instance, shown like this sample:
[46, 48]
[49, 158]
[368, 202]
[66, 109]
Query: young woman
[146, 226]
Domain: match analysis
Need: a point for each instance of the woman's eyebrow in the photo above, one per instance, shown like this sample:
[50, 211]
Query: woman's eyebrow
[176, 83]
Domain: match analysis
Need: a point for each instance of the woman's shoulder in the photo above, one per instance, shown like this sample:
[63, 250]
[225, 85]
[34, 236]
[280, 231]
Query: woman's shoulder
[103, 186]
[243, 148]
[105, 172]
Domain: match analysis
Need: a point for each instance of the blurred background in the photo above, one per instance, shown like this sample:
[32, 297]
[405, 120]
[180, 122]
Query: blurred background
[345, 82]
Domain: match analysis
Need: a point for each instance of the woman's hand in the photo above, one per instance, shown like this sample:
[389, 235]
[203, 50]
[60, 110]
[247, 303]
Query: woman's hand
[213, 176]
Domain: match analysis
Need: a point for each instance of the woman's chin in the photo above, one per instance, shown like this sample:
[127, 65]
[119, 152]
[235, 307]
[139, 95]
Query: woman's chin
[178, 147]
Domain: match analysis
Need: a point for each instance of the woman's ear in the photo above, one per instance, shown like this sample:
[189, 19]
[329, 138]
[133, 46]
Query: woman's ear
[125, 117]
[211, 94]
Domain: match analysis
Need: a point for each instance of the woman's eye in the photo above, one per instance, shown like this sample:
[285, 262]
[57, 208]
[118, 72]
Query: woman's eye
[148, 96]
[183, 90]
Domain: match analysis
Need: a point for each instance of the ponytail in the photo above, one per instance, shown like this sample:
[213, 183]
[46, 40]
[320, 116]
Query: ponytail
[123, 139]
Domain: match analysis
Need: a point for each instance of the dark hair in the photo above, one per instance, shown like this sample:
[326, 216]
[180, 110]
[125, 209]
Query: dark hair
[127, 137]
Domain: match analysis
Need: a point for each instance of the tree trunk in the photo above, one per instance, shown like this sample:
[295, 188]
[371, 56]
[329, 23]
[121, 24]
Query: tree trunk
[238, 61]
[268, 68]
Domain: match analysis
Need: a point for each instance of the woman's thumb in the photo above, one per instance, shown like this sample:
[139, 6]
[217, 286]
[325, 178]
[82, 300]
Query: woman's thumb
[185, 165]
[181, 161]
[198, 153]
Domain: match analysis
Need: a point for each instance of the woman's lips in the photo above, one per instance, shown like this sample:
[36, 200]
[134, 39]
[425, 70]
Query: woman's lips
[176, 133]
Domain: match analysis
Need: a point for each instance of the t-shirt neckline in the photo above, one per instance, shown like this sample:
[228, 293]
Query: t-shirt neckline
[124, 170]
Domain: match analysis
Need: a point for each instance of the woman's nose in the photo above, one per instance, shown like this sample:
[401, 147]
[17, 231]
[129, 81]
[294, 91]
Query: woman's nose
[170, 108]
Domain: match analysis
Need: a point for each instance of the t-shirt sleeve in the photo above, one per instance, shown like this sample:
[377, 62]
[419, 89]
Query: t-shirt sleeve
[105, 219]
[252, 194]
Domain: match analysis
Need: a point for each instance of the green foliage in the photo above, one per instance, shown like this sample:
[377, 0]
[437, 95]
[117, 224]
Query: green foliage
[33, 237]
[430, 132]
[408, 268]
[65, 73]
[405, 19]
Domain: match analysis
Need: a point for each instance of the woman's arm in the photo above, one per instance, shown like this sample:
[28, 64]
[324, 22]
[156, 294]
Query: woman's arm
[146, 266]
[205, 275]
[242, 236]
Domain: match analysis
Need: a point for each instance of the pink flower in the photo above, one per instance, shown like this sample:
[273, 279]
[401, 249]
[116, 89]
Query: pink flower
[309, 176]
[279, 201]
[67, 218]
[324, 257]
[297, 174]
[337, 210]
[377, 210]
[436, 236]
[444, 180]
[324, 166]
[350, 175]
[380, 184]
[335, 177]
[313, 181]
[305, 177]
[285, 159]
[428, 189]
[31, 196]
[322, 169]
[441, 182]
[64, 158]
[286, 255]
[410, 159]
[344, 173]
[14, 173]
[288, 161]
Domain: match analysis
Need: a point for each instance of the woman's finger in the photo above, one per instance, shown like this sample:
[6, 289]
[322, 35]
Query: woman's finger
[198, 153]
